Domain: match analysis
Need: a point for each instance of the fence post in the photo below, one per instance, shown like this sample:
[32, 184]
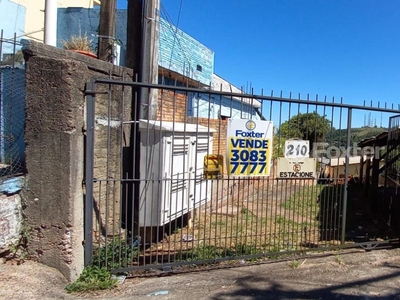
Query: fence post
[346, 176]
[89, 162]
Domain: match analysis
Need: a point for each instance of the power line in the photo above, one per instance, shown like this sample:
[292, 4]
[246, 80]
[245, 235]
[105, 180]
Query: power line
[174, 31]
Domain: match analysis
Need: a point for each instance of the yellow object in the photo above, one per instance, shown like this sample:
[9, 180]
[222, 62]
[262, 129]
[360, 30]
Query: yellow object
[213, 166]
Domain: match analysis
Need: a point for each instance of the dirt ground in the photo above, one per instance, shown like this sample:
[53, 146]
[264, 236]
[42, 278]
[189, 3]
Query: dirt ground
[348, 274]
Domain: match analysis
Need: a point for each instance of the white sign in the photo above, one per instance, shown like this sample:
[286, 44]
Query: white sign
[297, 148]
[304, 168]
[249, 147]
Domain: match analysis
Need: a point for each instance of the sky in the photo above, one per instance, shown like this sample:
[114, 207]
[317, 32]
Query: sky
[333, 48]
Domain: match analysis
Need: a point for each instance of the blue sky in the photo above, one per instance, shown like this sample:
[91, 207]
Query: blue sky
[333, 48]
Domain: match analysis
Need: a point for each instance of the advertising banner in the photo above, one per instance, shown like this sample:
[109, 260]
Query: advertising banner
[249, 146]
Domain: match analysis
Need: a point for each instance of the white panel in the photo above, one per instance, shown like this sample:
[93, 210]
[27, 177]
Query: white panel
[177, 160]
[200, 188]
[179, 166]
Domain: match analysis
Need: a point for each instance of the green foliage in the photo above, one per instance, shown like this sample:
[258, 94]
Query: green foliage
[245, 211]
[218, 222]
[308, 126]
[305, 201]
[247, 214]
[207, 252]
[339, 259]
[279, 145]
[92, 278]
[201, 252]
[294, 264]
[245, 249]
[116, 254]
[339, 137]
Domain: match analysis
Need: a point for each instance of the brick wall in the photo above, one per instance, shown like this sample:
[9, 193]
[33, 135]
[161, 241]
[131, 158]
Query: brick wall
[172, 106]
[219, 136]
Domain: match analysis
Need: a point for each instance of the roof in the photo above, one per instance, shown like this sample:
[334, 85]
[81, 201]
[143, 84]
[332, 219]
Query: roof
[222, 85]
[339, 161]
[173, 126]
[379, 140]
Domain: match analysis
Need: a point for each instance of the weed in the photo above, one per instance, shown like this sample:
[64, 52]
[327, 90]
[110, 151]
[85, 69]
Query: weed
[218, 223]
[201, 252]
[245, 211]
[243, 249]
[19, 249]
[118, 253]
[294, 264]
[92, 278]
[339, 259]
[204, 252]
[308, 206]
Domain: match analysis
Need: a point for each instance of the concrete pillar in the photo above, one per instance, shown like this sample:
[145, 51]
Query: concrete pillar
[53, 197]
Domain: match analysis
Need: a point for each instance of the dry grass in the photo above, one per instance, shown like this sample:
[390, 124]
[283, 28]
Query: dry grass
[256, 226]
[78, 42]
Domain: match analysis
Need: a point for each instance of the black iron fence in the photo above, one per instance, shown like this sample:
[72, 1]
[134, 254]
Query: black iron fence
[390, 208]
[186, 186]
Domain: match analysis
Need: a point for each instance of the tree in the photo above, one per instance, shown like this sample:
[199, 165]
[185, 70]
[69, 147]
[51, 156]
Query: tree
[308, 126]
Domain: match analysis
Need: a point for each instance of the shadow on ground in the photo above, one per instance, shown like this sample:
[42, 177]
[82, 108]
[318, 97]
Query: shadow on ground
[307, 290]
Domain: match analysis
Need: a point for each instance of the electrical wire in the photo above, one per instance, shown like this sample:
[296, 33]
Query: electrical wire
[174, 29]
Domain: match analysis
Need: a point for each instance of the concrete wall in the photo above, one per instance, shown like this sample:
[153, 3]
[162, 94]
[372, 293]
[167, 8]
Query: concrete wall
[55, 125]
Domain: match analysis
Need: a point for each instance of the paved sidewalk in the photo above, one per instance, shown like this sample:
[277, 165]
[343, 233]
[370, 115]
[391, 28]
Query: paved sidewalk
[351, 274]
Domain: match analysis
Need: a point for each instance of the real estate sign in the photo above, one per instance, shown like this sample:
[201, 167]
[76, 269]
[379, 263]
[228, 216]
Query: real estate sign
[249, 147]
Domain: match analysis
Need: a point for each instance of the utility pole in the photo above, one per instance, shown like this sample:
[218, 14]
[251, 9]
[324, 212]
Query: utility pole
[107, 30]
[142, 50]
[142, 57]
[134, 61]
[150, 57]
[134, 36]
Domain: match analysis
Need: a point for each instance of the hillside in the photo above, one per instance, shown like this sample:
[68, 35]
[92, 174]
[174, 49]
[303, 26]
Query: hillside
[338, 137]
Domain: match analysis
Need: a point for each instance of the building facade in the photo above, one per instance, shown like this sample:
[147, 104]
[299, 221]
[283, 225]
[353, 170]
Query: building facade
[182, 60]
[34, 14]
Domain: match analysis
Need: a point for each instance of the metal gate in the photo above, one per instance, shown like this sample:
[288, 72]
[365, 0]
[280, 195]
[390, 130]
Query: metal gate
[158, 193]
[390, 207]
